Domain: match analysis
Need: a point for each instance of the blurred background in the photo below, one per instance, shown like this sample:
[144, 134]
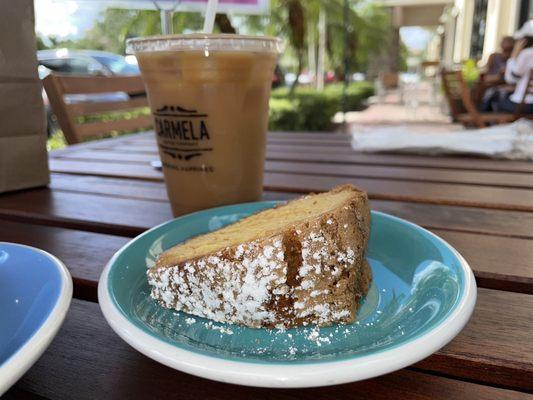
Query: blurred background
[349, 63]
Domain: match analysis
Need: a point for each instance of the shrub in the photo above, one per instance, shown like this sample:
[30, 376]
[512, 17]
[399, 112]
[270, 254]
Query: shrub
[310, 110]
[283, 115]
[316, 109]
[307, 110]
[356, 94]
[281, 92]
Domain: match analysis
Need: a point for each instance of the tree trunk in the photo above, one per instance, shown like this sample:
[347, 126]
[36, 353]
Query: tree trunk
[311, 50]
[224, 24]
[297, 37]
[298, 72]
[321, 49]
[394, 50]
[394, 44]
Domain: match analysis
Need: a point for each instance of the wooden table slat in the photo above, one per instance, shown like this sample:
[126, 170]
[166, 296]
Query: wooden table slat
[110, 187]
[286, 153]
[118, 215]
[434, 175]
[105, 168]
[133, 189]
[16, 393]
[145, 143]
[419, 192]
[457, 218]
[95, 213]
[104, 206]
[423, 192]
[143, 137]
[510, 269]
[468, 219]
[344, 154]
[415, 174]
[108, 155]
[495, 347]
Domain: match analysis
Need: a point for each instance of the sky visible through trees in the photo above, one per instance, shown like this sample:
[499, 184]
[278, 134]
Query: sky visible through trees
[367, 34]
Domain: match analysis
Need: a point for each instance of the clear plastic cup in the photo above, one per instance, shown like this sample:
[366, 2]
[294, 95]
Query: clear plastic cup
[209, 99]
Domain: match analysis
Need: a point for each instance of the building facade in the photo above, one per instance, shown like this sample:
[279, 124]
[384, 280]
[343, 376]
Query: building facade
[464, 28]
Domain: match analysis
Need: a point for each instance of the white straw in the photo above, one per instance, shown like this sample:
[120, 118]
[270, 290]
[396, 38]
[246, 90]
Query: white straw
[209, 21]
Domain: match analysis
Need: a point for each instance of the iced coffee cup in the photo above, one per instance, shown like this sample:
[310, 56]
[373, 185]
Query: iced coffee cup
[209, 99]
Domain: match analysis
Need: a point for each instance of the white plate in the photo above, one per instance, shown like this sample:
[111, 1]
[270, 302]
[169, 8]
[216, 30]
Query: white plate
[421, 283]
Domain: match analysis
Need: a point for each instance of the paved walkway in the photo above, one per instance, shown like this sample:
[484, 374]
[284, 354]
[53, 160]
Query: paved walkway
[418, 111]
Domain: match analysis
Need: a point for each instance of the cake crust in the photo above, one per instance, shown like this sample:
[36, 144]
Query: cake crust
[312, 272]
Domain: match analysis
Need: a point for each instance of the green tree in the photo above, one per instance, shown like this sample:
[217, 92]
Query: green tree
[368, 30]
[295, 20]
[41, 45]
[372, 26]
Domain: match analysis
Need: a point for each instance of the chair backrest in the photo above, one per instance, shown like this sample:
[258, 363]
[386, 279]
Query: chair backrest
[116, 94]
[529, 90]
[458, 96]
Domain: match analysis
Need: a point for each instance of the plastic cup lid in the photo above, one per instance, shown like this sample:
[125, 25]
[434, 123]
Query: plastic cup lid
[203, 42]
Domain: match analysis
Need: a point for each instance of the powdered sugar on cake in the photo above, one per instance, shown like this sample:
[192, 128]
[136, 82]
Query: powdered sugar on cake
[244, 285]
[240, 288]
[317, 256]
[311, 273]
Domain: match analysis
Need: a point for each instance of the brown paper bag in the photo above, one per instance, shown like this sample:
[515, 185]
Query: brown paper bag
[23, 156]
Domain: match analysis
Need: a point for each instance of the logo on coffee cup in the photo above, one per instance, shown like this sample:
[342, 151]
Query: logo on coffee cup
[183, 132]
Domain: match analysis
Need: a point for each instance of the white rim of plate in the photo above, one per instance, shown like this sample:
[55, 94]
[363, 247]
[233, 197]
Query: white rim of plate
[20, 361]
[277, 375]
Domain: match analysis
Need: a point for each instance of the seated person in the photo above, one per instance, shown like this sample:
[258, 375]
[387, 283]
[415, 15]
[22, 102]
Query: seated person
[494, 76]
[518, 70]
[495, 68]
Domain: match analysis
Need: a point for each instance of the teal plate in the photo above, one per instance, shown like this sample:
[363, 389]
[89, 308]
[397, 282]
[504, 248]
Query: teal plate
[422, 294]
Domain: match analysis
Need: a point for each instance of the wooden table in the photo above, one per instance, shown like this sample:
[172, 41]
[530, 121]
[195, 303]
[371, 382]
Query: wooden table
[103, 193]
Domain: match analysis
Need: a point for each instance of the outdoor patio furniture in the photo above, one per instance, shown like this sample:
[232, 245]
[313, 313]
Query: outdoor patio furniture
[483, 84]
[76, 100]
[462, 106]
[102, 193]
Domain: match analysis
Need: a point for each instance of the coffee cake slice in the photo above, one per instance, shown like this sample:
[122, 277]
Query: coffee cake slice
[297, 264]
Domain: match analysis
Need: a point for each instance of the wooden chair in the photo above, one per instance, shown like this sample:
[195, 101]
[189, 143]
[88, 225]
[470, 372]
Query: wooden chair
[483, 84]
[462, 106]
[68, 113]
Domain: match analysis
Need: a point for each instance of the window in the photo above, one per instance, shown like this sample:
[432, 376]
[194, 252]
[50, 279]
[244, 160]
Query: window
[75, 65]
[526, 12]
[117, 64]
[478, 28]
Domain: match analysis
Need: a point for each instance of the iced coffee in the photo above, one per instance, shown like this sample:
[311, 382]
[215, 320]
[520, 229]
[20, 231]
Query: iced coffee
[209, 99]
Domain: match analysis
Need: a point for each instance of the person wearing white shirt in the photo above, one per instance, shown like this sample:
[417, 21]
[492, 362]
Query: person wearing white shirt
[518, 70]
